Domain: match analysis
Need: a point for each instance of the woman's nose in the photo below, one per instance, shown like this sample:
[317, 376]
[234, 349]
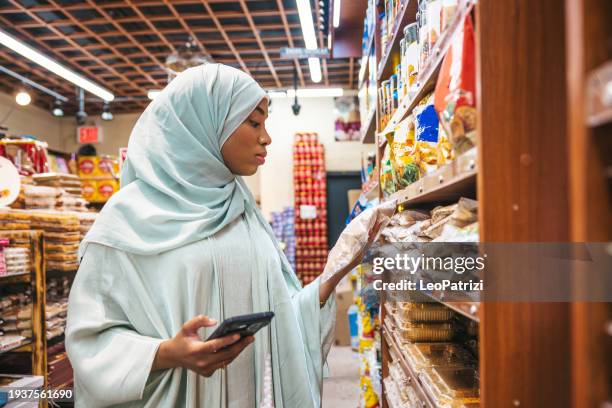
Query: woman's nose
[266, 139]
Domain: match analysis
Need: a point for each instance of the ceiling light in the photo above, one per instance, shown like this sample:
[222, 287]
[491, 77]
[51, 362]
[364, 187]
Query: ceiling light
[54, 67]
[314, 64]
[337, 6]
[23, 98]
[329, 41]
[57, 110]
[153, 93]
[106, 113]
[308, 30]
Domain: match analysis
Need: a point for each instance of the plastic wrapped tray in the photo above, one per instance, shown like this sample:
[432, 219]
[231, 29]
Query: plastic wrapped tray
[426, 332]
[451, 387]
[424, 355]
[424, 312]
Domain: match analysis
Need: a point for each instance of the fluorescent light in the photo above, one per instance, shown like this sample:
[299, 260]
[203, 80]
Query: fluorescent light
[315, 69]
[308, 30]
[54, 67]
[23, 98]
[153, 93]
[329, 41]
[337, 6]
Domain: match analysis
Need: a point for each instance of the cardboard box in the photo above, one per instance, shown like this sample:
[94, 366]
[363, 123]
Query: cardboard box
[344, 300]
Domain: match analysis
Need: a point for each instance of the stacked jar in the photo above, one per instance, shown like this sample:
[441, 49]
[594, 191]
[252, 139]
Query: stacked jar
[310, 193]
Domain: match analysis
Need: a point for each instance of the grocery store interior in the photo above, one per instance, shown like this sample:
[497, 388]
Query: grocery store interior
[483, 121]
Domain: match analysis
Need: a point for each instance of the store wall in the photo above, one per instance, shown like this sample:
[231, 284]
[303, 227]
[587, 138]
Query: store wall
[31, 120]
[317, 115]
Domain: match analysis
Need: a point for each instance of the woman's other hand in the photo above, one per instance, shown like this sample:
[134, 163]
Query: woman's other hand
[187, 350]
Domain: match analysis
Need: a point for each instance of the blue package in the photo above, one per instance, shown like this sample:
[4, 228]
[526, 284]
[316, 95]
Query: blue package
[426, 124]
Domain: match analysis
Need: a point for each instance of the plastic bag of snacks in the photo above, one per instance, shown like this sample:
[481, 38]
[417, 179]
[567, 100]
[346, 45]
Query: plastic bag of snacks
[386, 172]
[426, 135]
[455, 96]
[357, 235]
[404, 168]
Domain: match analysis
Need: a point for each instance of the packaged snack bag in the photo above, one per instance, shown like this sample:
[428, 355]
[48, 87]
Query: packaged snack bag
[455, 94]
[405, 169]
[426, 125]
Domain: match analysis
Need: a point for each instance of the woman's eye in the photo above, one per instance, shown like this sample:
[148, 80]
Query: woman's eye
[254, 124]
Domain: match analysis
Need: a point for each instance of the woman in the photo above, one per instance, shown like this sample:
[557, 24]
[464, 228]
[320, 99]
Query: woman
[182, 246]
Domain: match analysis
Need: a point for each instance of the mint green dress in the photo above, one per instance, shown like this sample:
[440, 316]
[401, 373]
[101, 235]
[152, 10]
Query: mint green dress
[172, 245]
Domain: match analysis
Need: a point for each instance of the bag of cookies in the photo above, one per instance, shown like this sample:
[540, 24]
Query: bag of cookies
[455, 94]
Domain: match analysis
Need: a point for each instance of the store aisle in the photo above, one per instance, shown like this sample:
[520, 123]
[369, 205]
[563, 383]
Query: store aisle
[341, 390]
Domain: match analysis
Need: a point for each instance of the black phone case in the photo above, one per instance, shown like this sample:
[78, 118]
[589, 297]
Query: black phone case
[245, 325]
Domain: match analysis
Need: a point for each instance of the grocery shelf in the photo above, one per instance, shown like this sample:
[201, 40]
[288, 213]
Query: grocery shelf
[429, 74]
[17, 278]
[393, 342]
[369, 130]
[407, 15]
[363, 74]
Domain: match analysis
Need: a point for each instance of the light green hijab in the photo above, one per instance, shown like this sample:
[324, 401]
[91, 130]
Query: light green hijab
[175, 187]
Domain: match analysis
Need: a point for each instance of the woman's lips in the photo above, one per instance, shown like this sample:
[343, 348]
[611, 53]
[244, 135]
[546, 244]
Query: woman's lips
[261, 159]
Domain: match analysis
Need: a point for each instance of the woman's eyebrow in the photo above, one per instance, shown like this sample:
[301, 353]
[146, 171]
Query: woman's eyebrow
[258, 109]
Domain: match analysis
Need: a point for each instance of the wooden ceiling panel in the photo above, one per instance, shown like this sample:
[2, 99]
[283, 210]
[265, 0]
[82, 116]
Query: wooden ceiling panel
[123, 43]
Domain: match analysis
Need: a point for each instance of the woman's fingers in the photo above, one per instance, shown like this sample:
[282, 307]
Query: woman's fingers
[212, 346]
[191, 327]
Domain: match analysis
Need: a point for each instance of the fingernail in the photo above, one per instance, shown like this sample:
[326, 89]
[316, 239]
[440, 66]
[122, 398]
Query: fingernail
[212, 321]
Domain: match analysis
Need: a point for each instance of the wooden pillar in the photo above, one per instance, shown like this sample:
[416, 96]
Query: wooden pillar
[522, 190]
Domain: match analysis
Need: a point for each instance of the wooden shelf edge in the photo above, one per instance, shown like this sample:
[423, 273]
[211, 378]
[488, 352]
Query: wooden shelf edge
[429, 76]
[23, 346]
[18, 278]
[370, 130]
[446, 192]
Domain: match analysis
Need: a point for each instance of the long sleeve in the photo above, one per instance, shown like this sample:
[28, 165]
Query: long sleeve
[111, 360]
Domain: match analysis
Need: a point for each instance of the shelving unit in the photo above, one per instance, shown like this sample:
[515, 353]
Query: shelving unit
[541, 173]
[37, 345]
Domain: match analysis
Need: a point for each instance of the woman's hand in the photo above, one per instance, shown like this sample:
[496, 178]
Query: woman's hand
[187, 350]
[331, 279]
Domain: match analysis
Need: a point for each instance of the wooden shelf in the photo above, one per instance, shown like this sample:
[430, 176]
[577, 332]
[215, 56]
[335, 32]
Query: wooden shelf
[429, 75]
[19, 278]
[407, 15]
[463, 185]
[369, 130]
[23, 346]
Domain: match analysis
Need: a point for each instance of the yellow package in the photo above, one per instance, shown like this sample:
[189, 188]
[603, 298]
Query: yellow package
[88, 166]
[90, 190]
[405, 169]
[108, 166]
[106, 188]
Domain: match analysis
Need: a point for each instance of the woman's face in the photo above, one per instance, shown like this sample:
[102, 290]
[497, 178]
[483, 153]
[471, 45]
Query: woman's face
[245, 150]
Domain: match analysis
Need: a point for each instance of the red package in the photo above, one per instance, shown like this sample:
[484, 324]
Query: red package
[455, 93]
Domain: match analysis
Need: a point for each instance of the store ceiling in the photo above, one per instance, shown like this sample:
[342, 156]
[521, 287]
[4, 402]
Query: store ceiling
[122, 45]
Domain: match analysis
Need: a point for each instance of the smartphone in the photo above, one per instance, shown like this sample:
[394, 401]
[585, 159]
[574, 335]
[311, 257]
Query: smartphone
[245, 325]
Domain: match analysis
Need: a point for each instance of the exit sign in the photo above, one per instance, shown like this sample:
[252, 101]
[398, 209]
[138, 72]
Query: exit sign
[89, 134]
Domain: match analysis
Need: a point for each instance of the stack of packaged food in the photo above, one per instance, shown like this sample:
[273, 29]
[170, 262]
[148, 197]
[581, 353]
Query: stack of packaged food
[57, 306]
[70, 197]
[15, 319]
[41, 198]
[62, 238]
[310, 203]
[14, 220]
[453, 223]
